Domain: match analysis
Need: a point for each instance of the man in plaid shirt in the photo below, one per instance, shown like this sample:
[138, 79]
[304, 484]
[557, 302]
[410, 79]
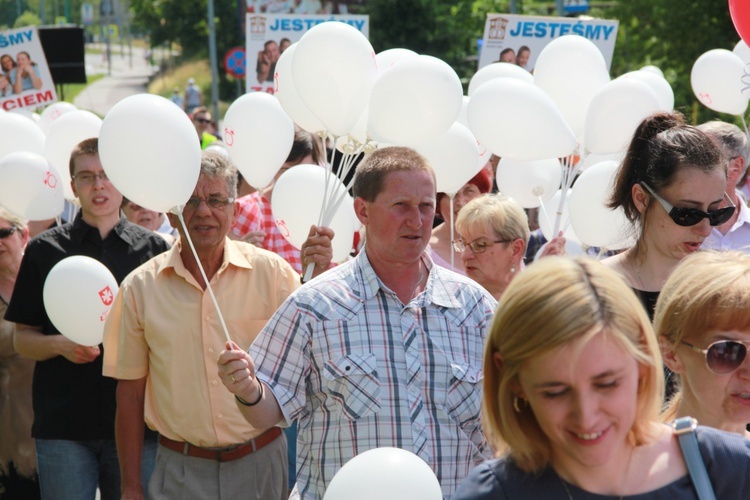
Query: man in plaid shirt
[384, 350]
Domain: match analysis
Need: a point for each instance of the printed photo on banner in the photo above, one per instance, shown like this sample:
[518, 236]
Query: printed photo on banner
[25, 79]
[519, 39]
[322, 7]
[269, 35]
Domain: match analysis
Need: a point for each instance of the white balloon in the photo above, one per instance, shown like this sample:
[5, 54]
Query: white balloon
[53, 112]
[571, 69]
[334, 69]
[30, 186]
[26, 113]
[517, 120]
[548, 215]
[658, 84]
[20, 134]
[530, 183]
[463, 119]
[498, 70]
[415, 101]
[388, 58]
[63, 135]
[78, 294]
[717, 81]
[384, 473]
[615, 112]
[454, 156]
[297, 199]
[289, 98]
[594, 158]
[150, 151]
[742, 51]
[594, 223]
[653, 69]
[259, 136]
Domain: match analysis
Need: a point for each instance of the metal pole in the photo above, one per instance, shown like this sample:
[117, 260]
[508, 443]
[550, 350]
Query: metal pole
[560, 8]
[67, 11]
[514, 6]
[214, 63]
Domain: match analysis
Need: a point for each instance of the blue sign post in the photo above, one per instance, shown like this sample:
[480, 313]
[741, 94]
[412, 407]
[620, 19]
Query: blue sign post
[234, 62]
[575, 6]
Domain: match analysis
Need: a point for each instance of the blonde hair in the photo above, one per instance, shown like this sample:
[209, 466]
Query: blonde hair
[552, 303]
[13, 219]
[503, 215]
[708, 291]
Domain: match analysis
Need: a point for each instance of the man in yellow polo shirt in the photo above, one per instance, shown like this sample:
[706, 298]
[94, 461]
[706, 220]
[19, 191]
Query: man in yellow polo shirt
[162, 339]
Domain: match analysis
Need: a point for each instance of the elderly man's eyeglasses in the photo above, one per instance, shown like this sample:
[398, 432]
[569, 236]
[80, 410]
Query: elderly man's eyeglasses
[476, 246]
[88, 178]
[724, 356]
[217, 202]
[7, 231]
[687, 217]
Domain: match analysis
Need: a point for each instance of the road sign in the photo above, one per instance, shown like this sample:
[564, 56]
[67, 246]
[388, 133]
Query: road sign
[575, 6]
[87, 14]
[234, 62]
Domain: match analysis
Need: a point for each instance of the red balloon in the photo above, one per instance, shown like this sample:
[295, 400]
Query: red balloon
[740, 12]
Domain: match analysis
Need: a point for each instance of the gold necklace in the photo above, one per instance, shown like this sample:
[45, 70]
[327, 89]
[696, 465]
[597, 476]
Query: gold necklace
[419, 280]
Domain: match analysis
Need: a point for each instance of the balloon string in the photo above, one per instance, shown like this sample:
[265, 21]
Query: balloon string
[178, 210]
[451, 196]
[544, 211]
[324, 136]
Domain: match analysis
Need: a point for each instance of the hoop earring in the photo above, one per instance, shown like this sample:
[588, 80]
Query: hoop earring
[515, 404]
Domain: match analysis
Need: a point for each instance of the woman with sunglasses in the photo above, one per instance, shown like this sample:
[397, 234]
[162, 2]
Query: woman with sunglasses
[572, 392]
[702, 321]
[18, 473]
[671, 186]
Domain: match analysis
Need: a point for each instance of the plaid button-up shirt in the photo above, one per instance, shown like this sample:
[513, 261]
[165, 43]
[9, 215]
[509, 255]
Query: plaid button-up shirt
[255, 215]
[359, 370]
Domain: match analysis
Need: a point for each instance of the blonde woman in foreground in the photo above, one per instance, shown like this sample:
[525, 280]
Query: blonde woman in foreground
[573, 385]
[702, 322]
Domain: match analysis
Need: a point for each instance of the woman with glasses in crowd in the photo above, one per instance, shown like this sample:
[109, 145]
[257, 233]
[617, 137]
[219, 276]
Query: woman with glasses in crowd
[18, 474]
[671, 186]
[572, 391]
[702, 322]
[440, 248]
[493, 232]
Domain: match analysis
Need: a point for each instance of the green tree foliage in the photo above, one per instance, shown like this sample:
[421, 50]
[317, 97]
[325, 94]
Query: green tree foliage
[672, 34]
[27, 19]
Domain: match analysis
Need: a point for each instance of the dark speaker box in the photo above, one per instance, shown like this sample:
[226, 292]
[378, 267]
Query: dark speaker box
[64, 49]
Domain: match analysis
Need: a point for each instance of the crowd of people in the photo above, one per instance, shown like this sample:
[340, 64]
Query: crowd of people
[542, 378]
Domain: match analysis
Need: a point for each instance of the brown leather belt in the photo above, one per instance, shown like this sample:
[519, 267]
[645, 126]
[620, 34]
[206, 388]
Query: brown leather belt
[226, 455]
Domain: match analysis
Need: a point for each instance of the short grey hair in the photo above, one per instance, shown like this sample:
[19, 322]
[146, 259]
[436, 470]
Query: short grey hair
[215, 164]
[733, 141]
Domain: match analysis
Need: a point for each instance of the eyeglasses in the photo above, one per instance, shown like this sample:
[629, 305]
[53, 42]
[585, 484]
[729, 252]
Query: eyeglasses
[217, 202]
[202, 120]
[724, 356]
[88, 178]
[475, 246]
[7, 231]
[687, 217]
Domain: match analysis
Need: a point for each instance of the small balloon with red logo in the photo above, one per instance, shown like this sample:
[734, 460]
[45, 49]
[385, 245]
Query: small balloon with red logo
[78, 294]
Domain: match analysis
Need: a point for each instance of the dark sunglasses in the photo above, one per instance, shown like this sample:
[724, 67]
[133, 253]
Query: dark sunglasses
[7, 231]
[723, 356]
[691, 216]
[203, 120]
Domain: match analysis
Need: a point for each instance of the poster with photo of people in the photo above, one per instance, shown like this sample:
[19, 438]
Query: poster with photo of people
[519, 39]
[25, 79]
[269, 35]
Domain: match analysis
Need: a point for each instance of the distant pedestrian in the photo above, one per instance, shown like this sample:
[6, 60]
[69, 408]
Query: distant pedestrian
[177, 98]
[193, 96]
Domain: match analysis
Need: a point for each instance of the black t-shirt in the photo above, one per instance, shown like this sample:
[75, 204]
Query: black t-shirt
[74, 401]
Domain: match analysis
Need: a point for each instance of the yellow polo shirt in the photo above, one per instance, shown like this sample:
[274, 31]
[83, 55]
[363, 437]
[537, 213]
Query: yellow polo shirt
[163, 326]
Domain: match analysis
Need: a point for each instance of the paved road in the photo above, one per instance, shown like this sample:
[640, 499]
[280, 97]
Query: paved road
[130, 74]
